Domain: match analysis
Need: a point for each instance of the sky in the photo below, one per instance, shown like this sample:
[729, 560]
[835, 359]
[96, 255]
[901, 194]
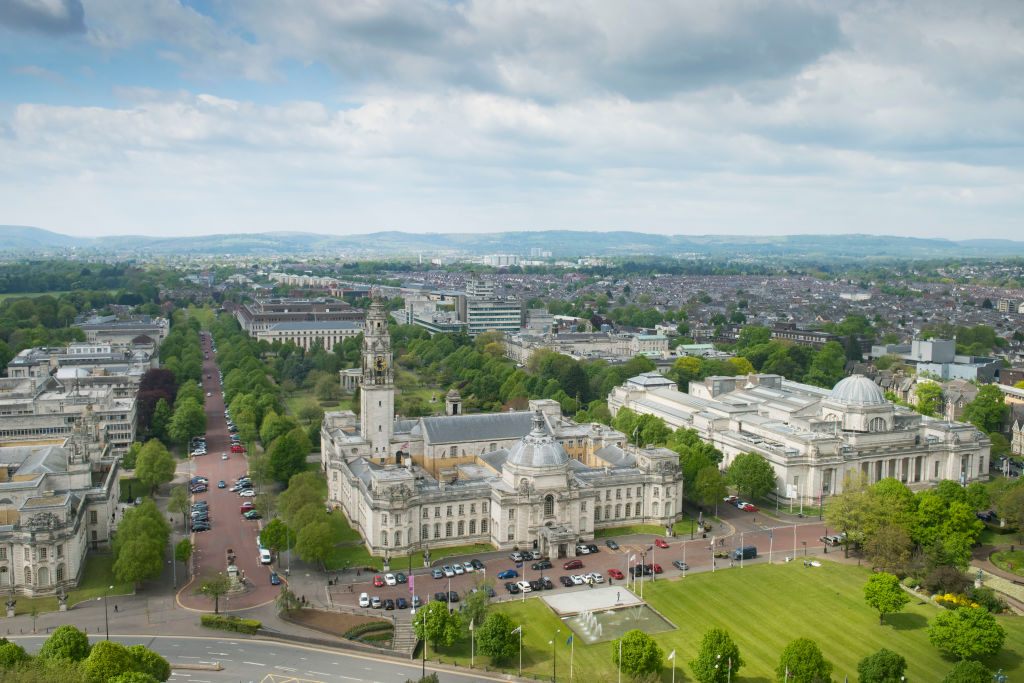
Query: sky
[746, 117]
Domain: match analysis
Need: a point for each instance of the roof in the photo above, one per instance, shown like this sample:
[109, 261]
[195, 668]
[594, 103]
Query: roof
[538, 448]
[478, 427]
[858, 390]
[315, 326]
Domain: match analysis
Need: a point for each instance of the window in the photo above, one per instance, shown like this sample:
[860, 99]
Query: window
[384, 520]
[472, 508]
[629, 493]
[654, 509]
[936, 468]
[638, 494]
[549, 505]
[636, 513]
[437, 511]
[483, 526]
[42, 552]
[462, 510]
[3, 553]
[92, 517]
[655, 491]
[424, 532]
[483, 507]
[28, 575]
[597, 513]
[453, 452]
[607, 511]
[384, 538]
[668, 509]
[447, 529]
[494, 447]
[511, 514]
[618, 494]
[437, 531]
[462, 528]
[628, 508]
[583, 506]
[618, 511]
[398, 538]
[511, 533]
[28, 554]
[608, 494]
[426, 513]
[472, 527]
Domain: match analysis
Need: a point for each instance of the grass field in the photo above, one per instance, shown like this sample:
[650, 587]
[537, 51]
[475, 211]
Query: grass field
[97, 577]
[1009, 561]
[763, 607]
[29, 295]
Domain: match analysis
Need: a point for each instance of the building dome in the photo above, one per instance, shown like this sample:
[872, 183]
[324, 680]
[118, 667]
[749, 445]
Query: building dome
[538, 448]
[858, 390]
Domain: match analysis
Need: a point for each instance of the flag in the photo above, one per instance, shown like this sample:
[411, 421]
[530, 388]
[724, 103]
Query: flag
[519, 629]
[635, 430]
[404, 446]
[470, 624]
[519, 565]
[650, 548]
[672, 655]
[569, 641]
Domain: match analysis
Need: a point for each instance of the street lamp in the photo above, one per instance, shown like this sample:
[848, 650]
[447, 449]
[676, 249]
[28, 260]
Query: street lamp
[106, 617]
[554, 659]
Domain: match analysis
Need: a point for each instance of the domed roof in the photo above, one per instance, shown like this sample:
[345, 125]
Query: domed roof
[858, 390]
[538, 448]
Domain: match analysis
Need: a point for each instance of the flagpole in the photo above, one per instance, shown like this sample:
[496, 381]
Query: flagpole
[472, 641]
[572, 652]
[771, 544]
[520, 651]
[620, 660]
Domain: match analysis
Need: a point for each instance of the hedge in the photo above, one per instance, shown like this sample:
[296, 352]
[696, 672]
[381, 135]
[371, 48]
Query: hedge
[360, 629]
[226, 623]
[378, 637]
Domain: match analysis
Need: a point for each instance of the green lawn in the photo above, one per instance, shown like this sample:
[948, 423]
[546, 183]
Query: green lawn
[131, 489]
[763, 607]
[1009, 561]
[96, 578]
[681, 527]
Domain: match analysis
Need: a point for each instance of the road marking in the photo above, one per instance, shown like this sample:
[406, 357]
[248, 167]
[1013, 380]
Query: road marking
[219, 654]
[254, 663]
[188, 657]
[285, 668]
[318, 673]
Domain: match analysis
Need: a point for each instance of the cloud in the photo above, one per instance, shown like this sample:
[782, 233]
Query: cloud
[37, 72]
[56, 17]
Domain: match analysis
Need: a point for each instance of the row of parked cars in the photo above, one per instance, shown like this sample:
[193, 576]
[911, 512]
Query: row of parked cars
[741, 504]
[457, 569]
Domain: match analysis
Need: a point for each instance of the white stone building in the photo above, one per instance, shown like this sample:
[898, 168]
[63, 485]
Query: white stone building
[813, 437]
[526, 479]
[305, 334]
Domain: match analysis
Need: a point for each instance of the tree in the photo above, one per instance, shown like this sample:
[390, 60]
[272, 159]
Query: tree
[847, 510]
[828, 365]
[709, 487]
[750, 473]
[436, 624]
[885, 666]
[179, 503]
[967, 632]
[888, 549]
[133, 677]
[107, 660]
[968, 671]
[162, 415]
[640, 653]
[1011, 509]
[883, 592]
[716, 647]
[214, 587]
[154, 465]
[277, 535]
[12, 655]
[476, 607]
[148, 662]
[188, 420]
[183, 551]
[929, 398]
[988, 410]
[66, 642]
[803, 662]
[315, 542]
[140, 542]
[495, 638]
[286, 457]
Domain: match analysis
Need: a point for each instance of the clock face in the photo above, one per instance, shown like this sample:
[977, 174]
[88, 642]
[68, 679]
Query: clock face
[379, 363]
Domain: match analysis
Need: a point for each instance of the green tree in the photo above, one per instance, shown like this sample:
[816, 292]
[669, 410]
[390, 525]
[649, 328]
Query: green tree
[883, 592]
[640, 653]
[828, 366]
[968, 671]
[287, 457]
[889, 548]
[183, 551]
[929, 398]
[12, 655]
[214, 587]
[803, 662]
[476, 607]
[179, 503]
[977, 496]
[148, 662]
[188, 420]
[988, 410]
[66, 642]
[107, 660]
[847, 511]
[140, 542]
[435, 624]
[133, 677]
[885, 666]
[277, 535]
[751, 474]
[716, 647]
[315, 542]
[967, 633]
[128, 461]
[1010, 507]
[709, 486]
[495, 638]
[154, 465]
[161, 419]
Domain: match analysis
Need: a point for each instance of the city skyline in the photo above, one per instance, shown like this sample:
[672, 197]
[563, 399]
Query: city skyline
[186, 118]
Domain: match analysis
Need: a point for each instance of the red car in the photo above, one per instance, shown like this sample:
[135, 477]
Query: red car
[246, 506]
[377, 581]
[750, 507]
[615, 573]
[655, 567]
[660, 543]
[238, 449]
[573, 564]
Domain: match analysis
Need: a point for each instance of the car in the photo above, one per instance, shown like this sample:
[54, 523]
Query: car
[399, 577]
[448, 571]
[196, 480]
[238, 449]
[511, 587]
[453, 596]
[612, 545]
[577, 579]
[831, 540]
[364, 600]
[275, 580]
[389, 604]
[641, 570]
[730, 499]
[247, 493]
[253, 514]
[195, 489]
[377, 581]
[656, 567]
[739, 503]
[536, 585]
[468, 567]
[390, 580]
[984, 515]
[750, 507]
[441, 596]
[543, 564]
[207, 375]
[458, 569]
[660, 542]
[416, 601]
[547, 583]
[265, 557]
[508, 574]
[524, 586]
[596, 578]
[223, 456]
[437, 573]
[582, 549]
[477, 564]
[221, 484]
[401, 603]
[565, 581]
[592, 548]
[515, 557]
[573, 564]
[200, 527]
[679, 564]
[247, 506]
[375, 602]
[489, 591]
[615, 574]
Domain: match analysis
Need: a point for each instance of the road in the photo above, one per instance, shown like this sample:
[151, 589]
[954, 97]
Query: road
[229, 528]
[260, 660]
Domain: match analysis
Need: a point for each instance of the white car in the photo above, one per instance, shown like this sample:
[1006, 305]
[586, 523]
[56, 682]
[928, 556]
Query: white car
[582, 550]
[448, 571]
[577, 579]
[390, 580]
[596, 578]
[516, 557]
[468, 566]
[265, 557]
[458, 569]
[524, 586]
[364, 600]
[247, 493]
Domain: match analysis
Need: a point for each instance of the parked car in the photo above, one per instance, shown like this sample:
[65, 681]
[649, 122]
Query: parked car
[247, 493]
[543, 564]
[238, 449]
[831, 540]
[477, 564]
[246, 506]
[611, 544]
[253, 514]
[656, 568]
[275, 580]
[749, 507]
[536, 585]
[441, 596]
[489, 591]
[508, 574]
[592, 548]
[389, 604]
[565, 581]
[582, 549]
[453, 596]
[615, 574]
[416, 601]
[660, 542]
[524, 586]
[511, 587]
[375, 602]
[401, 603]
[747, 552]
[221, 484]
[437, 573]
[680, 565]
[390, 580]
[547, 583]
[458, 569]
[364, 600]
[378, 581]
[448, 571]
[399, 577]
[730, 499]
[573, 564]
[516, 557]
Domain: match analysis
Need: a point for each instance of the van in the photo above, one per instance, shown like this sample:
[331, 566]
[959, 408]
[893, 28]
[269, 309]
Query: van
[747, 552]
[264, 556]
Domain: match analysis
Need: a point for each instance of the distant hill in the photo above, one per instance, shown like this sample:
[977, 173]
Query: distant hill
[562, 243]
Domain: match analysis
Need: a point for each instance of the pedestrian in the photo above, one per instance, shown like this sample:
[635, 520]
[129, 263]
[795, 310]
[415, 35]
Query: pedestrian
[617, 596]
[115, 607]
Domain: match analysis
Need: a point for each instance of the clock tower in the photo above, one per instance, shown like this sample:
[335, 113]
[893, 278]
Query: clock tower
[377, 388]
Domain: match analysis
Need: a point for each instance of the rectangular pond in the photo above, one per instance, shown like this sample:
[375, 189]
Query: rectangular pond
[600, 626]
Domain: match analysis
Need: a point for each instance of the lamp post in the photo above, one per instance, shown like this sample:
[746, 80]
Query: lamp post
[805, 548]
[554, 658]
[106, 617]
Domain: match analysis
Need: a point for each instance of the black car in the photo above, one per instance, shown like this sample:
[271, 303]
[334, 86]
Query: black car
[441, 596]
[389, 604]
[489, 591]
[200, 527]
[453, 596]
[477, 564]
[400, 577]
[511, 587]
[547, 583]
[641, 569]
[543, 564]
[536, 585]
[565, 581]
[611, 544]
[592, 548]
[401, 603]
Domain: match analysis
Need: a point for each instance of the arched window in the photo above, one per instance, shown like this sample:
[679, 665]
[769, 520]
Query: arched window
[28, 575]
[384, 538]
[472, 527]
[424, 532]
[437, 531]
[462, 528]
[483, 526]
[628, 508]
[447, 529]
[549, 505]
[398, 538]
[654, 509]
[637, 512]
[618, 511]
[877, 425]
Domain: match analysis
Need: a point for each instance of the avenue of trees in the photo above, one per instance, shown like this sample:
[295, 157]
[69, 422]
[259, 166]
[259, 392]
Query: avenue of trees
[140, 543]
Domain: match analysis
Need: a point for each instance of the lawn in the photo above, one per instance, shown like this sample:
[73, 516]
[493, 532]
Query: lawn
[1009, 561]
[96, 578]
[131, 489]
[763, 607]
[681, 527]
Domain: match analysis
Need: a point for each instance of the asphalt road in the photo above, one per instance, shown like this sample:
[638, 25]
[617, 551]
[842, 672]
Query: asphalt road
[259, 660]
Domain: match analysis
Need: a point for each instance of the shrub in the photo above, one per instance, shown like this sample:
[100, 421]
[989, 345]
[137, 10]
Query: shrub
[954, 600]
[374, 637]
[360, 629]
[946, 580]
[227, 623]
[987, 598]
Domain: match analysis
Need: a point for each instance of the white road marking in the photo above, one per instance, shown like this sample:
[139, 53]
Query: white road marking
[318, 673]
[285, 668]
[253, 663]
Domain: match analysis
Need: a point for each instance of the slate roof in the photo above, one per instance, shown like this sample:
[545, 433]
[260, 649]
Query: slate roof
[316, 326]
[479, 427]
